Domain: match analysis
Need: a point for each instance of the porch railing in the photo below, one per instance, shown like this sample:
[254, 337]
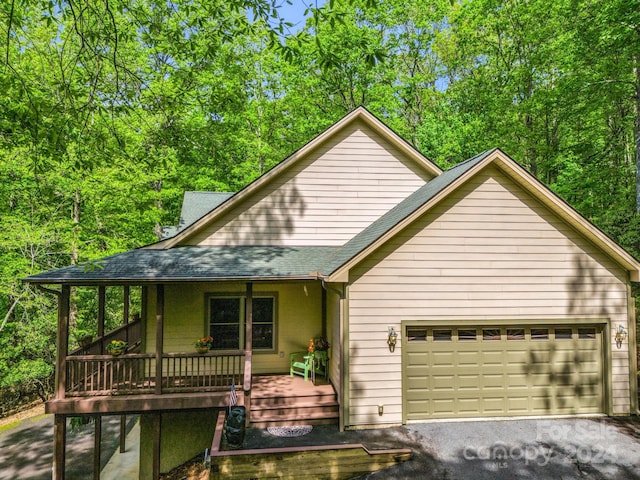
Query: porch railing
[135, 374]
[130, 332]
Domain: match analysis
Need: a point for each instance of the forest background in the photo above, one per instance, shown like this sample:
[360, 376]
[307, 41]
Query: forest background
[111, 109]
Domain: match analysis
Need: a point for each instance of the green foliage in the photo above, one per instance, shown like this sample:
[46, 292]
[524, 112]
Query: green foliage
[109, 111]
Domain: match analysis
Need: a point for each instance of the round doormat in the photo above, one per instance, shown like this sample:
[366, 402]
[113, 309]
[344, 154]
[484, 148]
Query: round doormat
[292, 431]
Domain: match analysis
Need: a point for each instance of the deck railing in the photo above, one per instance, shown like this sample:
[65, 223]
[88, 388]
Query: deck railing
[129, 332]
[135, 374]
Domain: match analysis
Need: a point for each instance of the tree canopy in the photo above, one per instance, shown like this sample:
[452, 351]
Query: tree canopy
[111, 109]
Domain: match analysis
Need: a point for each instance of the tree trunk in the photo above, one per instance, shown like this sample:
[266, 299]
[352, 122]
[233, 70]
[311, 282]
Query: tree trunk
[75, 217]
[636, 126]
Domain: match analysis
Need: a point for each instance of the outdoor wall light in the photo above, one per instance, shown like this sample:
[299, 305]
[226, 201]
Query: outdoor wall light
[392, 339]
[621, 335]
[380, 410]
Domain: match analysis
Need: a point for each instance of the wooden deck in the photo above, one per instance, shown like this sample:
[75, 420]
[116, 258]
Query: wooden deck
[335, 462]
[275, 400]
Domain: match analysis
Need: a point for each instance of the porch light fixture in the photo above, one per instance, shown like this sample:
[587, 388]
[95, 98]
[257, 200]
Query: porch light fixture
[392, 339]
[621, 335]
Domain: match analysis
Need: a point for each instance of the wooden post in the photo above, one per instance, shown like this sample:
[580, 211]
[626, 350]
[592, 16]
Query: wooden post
[123, 433]
[62, 341]
[125, 309]
[157, 431]
[102, 300]
[248, 345]
[324, 313]
[97, 442]
[248, 320]
[159, 336]
[59, 446]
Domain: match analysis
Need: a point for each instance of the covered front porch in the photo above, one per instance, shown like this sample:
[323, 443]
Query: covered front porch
[256, 320]
[160, 364]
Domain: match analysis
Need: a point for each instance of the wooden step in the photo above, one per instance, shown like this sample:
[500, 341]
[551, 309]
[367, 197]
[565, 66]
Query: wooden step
[303, 413]
[285, 402]
[277, 401]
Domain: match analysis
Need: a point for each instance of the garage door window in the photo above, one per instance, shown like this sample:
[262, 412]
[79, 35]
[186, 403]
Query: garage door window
[491, 334]
[563, 334]
[539, 334]
[515, 333]
[442, 335]
[466, 335]
[416, 334]
[587, 333]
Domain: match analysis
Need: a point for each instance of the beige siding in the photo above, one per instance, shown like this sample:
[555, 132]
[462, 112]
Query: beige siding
[324, 199]
[491, 252]
[298, 318]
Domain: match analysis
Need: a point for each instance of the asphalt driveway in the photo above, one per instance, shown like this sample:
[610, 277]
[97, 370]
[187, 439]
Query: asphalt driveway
[603, 448]
[26, 450]
[606, 448]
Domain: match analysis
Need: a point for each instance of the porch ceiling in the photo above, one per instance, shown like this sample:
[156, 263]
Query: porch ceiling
[182, 264]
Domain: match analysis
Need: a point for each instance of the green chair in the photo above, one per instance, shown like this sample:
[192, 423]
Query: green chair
[307, 364]
[300, 363]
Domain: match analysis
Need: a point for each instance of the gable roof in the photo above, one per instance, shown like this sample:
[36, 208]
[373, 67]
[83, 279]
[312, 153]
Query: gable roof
[194, 206]
[359, 114]
[440, 187]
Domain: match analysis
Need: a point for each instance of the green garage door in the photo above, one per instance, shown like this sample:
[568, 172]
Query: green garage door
[501, 371]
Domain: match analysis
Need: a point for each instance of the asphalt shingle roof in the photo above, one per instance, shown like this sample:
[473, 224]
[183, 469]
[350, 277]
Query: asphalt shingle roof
[200, 263]
[194, 206]
[196, 264]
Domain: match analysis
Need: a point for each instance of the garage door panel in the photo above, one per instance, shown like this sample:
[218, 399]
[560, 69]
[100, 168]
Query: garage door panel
[492, 358]
[492, 405]
[518, 404]
[443, 407]
[517, 380]
[468, 382]
[467, 358]
[515, 374]
[443, 382]
[468, 406]
[444, 359]
[492, 381]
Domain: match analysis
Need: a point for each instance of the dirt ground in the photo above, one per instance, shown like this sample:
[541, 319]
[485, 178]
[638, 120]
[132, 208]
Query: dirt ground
[23, 415]
[194, 469]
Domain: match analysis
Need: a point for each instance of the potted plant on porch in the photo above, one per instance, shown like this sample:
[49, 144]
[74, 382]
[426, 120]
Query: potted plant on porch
[116, 347]
[204, 344]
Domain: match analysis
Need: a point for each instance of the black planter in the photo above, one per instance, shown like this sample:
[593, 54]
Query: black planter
[235, 428]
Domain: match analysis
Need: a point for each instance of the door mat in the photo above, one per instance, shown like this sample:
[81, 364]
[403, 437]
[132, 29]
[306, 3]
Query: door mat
[290, 431]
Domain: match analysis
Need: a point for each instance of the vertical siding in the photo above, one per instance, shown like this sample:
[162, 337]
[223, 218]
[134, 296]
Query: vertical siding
[490, 252]
[325, 198]
[298, 318]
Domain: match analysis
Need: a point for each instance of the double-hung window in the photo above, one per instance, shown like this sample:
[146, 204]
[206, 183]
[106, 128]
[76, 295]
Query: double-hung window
[226, 317]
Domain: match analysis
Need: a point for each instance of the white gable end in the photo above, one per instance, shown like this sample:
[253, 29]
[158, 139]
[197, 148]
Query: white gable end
[328, 197]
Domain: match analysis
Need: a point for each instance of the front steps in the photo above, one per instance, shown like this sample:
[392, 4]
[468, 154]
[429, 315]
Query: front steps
[282, 400]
